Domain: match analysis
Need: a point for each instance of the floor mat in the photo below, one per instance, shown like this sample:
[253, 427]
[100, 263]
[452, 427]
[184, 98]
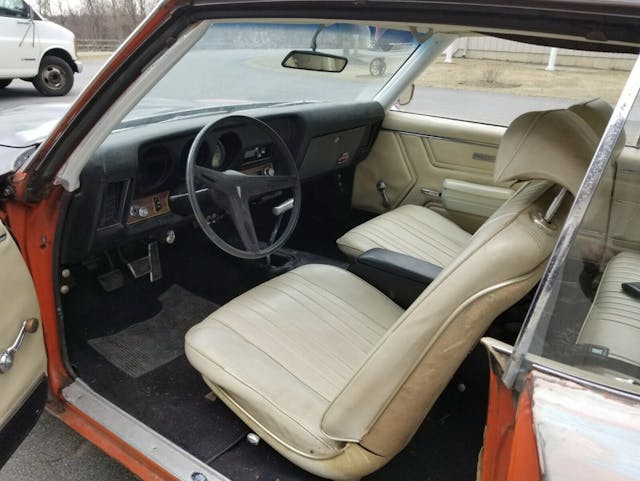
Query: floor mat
[147, 345]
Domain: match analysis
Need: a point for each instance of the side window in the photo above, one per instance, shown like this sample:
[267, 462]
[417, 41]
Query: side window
[14, 8]
[491, 80]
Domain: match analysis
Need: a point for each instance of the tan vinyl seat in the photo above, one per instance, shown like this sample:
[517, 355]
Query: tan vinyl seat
[335, 376]
[412, 230]
[420, 232]
[613, 322]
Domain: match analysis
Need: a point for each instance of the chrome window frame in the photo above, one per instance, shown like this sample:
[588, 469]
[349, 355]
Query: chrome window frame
[546, 295]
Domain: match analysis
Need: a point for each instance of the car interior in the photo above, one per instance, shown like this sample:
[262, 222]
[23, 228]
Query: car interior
[320, 275]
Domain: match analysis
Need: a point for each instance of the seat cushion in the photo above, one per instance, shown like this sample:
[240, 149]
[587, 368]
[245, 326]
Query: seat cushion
[284, 350]
[614, 318]
[410, 229]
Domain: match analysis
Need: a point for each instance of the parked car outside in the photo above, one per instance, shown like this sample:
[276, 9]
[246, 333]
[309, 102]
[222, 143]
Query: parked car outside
[36, 49]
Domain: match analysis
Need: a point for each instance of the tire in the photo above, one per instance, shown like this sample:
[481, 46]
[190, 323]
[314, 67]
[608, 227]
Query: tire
[377, 67]
[384, 44]
[55, 77]
[4, 82]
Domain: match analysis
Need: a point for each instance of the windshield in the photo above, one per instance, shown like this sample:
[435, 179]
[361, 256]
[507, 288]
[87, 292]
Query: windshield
[239, 65]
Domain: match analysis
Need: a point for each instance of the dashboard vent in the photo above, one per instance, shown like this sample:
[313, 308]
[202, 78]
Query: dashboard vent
[112, 203]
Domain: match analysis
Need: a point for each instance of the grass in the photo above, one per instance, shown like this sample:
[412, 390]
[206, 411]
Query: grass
[524, 79]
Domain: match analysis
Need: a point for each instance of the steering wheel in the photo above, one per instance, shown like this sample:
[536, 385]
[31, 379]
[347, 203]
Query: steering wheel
[233, 190]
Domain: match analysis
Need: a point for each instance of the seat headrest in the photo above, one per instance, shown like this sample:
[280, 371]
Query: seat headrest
[555, 145]
[597, 113]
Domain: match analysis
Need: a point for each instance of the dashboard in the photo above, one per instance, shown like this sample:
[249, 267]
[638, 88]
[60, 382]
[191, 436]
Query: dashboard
[134, 185]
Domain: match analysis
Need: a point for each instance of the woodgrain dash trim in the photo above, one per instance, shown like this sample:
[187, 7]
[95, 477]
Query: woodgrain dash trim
[156, 204]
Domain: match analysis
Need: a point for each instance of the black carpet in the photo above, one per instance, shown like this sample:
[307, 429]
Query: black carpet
[170, 395]
[170, 398]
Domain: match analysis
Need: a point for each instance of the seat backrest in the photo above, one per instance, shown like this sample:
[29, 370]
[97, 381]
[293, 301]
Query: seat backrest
[592, 240]
[389, 396]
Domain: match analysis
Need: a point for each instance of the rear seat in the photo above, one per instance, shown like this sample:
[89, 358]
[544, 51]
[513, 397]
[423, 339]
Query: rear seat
[612, 327]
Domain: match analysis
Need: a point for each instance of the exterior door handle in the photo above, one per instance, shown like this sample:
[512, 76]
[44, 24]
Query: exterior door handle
[7, 356]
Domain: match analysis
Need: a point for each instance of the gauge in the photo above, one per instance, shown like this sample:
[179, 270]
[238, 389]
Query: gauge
[154, 167]
[217, 157]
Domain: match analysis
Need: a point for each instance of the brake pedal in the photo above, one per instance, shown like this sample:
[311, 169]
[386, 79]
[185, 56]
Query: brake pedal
[150, 264]
[112, 280]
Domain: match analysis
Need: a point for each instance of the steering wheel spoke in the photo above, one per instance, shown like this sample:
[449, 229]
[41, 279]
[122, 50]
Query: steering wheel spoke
[208, 176]
[243, 222]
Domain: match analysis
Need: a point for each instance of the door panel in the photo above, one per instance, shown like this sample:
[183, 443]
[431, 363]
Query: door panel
[21, 391]
[415, 154]
[475, 199]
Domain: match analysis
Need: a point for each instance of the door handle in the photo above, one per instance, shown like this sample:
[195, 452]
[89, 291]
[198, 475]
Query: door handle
[7, 356]
[430, 192]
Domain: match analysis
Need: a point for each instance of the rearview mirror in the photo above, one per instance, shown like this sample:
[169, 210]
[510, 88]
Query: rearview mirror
[317, 61]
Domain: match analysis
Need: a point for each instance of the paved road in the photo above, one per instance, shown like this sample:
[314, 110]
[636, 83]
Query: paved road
[20, 93]
[54, 452]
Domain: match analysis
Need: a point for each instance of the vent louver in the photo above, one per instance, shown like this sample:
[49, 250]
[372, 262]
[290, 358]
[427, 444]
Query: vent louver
[112, 204]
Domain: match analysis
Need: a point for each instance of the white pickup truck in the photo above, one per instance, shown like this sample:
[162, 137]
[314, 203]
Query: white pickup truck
[35, 49]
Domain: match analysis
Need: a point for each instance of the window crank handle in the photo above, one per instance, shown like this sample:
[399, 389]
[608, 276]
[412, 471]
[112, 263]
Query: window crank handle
[381, 187]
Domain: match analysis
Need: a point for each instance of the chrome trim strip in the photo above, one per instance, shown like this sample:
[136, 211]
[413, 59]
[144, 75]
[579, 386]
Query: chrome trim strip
[139, 436]
[449, 139]
[540, 310]
[584, 382]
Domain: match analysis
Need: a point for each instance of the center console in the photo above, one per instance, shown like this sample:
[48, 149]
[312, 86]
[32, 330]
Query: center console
[402, 278]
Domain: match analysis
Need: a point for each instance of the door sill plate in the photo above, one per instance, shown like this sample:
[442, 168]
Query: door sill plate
[139, 436]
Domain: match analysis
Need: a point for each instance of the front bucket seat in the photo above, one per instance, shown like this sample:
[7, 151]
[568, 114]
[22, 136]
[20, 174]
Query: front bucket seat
[420, 232]
[334, 375]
